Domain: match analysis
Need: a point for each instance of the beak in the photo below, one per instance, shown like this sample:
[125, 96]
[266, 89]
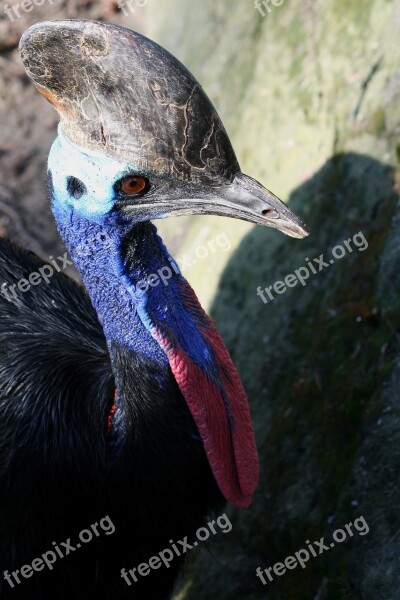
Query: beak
[246, 199]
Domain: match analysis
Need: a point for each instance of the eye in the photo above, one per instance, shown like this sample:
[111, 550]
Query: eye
[133, 185]
[75, 188]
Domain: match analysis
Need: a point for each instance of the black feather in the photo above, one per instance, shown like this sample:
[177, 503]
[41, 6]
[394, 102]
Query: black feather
[61, 471]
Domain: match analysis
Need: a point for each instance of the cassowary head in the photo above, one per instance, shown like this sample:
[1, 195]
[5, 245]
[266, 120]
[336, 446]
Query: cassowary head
[137, 130]
[140, 140]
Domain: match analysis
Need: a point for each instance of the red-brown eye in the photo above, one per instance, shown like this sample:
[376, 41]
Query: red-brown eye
[133, 185]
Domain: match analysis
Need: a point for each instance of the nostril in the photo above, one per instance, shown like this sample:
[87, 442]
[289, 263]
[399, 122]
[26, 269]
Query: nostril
[75, 187]
[268, 211]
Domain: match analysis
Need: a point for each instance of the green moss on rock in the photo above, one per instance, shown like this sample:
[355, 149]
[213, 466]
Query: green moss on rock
[310, 95]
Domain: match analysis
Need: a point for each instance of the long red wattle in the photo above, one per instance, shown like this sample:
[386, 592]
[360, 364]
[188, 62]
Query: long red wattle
[220, 409]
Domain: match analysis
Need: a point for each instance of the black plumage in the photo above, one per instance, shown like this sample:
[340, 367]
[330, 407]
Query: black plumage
[60, 469]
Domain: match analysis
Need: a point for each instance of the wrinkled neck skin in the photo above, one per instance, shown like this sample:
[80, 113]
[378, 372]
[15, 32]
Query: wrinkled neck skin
[97, 251]
[117, 256]
[96, 236]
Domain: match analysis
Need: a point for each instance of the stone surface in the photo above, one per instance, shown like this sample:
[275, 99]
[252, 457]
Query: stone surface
[310, 95]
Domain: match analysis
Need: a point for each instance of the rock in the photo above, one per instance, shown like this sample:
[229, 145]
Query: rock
[310, 95]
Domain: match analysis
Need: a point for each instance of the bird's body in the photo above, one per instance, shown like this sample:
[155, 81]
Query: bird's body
[120, 408]
[67, 470]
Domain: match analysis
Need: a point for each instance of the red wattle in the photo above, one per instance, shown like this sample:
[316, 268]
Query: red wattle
[220, 410]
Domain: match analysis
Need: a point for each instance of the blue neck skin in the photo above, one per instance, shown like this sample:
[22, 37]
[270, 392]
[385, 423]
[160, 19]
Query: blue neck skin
[96, 252]
[95, 233]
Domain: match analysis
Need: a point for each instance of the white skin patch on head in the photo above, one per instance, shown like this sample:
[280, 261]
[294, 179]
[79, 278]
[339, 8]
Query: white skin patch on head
[96, 171]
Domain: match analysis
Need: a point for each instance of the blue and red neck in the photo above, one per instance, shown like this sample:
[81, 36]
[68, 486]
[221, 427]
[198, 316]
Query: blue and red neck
[135, 287]
[158, 318]
[166, 325]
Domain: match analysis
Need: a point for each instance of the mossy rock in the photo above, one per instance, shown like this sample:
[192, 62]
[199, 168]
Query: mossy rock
[310, 94]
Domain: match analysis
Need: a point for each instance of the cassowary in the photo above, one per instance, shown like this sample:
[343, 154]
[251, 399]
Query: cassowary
[118, 399]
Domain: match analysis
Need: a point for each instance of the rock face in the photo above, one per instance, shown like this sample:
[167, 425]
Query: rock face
[310, 94]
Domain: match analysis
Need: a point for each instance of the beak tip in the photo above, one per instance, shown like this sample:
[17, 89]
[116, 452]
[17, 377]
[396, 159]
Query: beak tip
[299, 231]
[290, 225]
[304, 231]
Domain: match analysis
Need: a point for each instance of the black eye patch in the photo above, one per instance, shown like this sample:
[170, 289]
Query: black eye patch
[75, 188]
